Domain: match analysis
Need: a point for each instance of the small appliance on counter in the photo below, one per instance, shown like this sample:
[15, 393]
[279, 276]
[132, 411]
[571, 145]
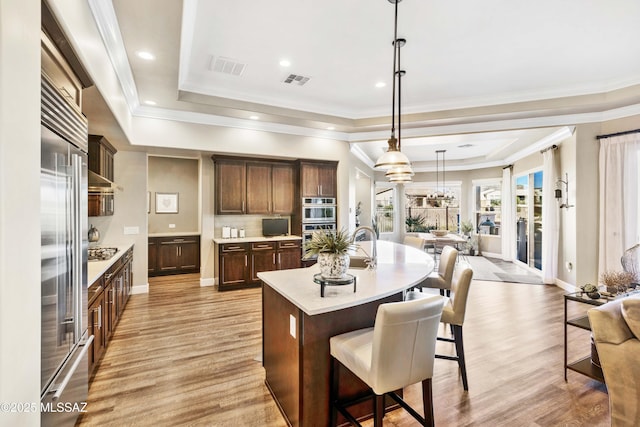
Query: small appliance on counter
[275, 227]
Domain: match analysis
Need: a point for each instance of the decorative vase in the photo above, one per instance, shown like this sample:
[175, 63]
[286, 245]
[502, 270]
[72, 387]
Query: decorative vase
[333, 266]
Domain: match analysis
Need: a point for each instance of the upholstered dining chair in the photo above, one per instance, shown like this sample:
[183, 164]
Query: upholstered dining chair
[441, 279]
[397, 351]
[453, 313]
[414, 241]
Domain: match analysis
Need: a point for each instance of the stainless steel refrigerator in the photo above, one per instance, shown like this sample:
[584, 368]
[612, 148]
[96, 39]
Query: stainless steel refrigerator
[63, 207]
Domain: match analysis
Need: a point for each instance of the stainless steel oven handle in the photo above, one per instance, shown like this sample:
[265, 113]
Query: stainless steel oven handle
[65, 381]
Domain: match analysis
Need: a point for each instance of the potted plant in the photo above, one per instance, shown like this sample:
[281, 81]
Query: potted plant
[472, 245]
[616, 281]
[331, 248]
[466, 227]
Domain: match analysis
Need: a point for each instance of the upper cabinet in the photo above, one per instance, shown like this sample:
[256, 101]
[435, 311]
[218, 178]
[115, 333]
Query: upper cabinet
[230, 186]
[101, 154]
[101, 176]
[59, 71]
[254, 187]
[318, 179]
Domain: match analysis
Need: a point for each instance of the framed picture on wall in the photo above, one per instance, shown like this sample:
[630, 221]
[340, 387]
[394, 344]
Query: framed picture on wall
[166, 202]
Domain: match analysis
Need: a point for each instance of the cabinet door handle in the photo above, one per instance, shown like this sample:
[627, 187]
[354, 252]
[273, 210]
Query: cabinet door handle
[274, 259]
[243, 206]
[100, 317]
[245, 261]
[321, 189]
[279, 259]
[176, 251]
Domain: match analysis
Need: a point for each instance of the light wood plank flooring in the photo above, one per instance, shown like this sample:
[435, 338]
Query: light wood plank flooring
[186, 355]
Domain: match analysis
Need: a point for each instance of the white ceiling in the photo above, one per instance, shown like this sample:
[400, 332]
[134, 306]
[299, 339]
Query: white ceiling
[501, 75]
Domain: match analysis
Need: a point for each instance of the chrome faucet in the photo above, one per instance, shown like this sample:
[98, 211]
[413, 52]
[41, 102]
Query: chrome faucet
[372, 260]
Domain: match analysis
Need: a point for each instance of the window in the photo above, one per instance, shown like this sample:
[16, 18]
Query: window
[529, 219]
[384, 209]
[424, 212]
[488, 209]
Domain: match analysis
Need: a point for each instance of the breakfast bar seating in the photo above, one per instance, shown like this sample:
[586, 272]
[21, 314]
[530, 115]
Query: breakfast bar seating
[297, 324]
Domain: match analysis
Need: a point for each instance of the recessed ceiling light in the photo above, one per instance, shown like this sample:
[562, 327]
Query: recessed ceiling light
[150, 102]
[145, 55]
[331, 128]
[285, 63]
[381, 84]
[254, 117]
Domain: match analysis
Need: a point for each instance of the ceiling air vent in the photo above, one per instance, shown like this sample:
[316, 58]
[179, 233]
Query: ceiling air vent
[220, 64]
[294, 78]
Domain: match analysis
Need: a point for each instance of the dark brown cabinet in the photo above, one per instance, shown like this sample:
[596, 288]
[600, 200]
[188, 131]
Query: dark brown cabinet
[108, 297]
[96, 328]
[246, 186]
[318, 179]
[283, 189]
[174, 255]
[240, 263]
[263, 258]
[289, 253]
[152, 248]
[230, 186]
[233, 264]
[101, 175]
[100, 203]
[101, 154]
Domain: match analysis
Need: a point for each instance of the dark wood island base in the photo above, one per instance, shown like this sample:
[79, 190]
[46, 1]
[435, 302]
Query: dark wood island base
[298, 368]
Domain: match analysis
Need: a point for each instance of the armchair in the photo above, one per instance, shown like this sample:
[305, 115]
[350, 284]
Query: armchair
[616, 331]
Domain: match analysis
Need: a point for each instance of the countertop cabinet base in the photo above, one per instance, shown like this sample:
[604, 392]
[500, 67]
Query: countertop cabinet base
[173, 255]
[108, 296]
[240, 263]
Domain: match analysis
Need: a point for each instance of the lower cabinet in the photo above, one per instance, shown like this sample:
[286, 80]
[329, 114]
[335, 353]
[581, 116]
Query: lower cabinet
[240, 263]
[174, 255]
[107, 298]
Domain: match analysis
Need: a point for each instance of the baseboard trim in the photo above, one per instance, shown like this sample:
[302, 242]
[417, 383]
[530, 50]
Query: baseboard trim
[140, 289]
[207, 281]
[491, 254]
[566, 286]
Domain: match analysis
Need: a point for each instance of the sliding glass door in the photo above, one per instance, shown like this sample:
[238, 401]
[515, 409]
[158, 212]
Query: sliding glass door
[529, 219]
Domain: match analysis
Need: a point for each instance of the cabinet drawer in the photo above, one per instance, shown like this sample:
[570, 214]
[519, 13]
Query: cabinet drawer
[289, 244]
[263, 246]
[233, 247]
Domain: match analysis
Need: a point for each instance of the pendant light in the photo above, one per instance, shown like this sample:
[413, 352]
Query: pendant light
[440, 193]
[396, 164]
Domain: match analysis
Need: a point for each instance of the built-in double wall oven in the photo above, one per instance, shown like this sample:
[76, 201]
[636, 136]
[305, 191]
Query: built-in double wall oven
[318, 213]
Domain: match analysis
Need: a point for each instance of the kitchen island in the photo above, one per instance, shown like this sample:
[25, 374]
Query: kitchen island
[297, 324]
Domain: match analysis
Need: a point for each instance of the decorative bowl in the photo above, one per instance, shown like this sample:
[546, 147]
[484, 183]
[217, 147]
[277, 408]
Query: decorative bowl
[439, 233]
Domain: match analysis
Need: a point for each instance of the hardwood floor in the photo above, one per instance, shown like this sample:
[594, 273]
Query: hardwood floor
[187, 355]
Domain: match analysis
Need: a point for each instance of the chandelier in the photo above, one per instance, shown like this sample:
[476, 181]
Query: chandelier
[396, 164]
[441, 193]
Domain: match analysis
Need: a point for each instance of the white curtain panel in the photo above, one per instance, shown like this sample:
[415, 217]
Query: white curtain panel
[550, 214]
[508, 224]
[618, 163]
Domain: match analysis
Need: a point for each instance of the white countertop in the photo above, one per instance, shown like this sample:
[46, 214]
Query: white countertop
[399, 267]
[175, 233]
[95, 269]
[220, 240]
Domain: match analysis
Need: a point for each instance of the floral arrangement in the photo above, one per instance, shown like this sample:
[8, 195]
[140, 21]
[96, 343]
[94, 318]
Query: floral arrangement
[616, 281]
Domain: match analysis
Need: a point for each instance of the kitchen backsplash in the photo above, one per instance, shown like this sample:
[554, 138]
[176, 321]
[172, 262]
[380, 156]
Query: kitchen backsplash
[252, 224]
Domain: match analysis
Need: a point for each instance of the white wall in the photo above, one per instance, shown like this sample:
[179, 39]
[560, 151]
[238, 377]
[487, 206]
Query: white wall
[20, 208]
